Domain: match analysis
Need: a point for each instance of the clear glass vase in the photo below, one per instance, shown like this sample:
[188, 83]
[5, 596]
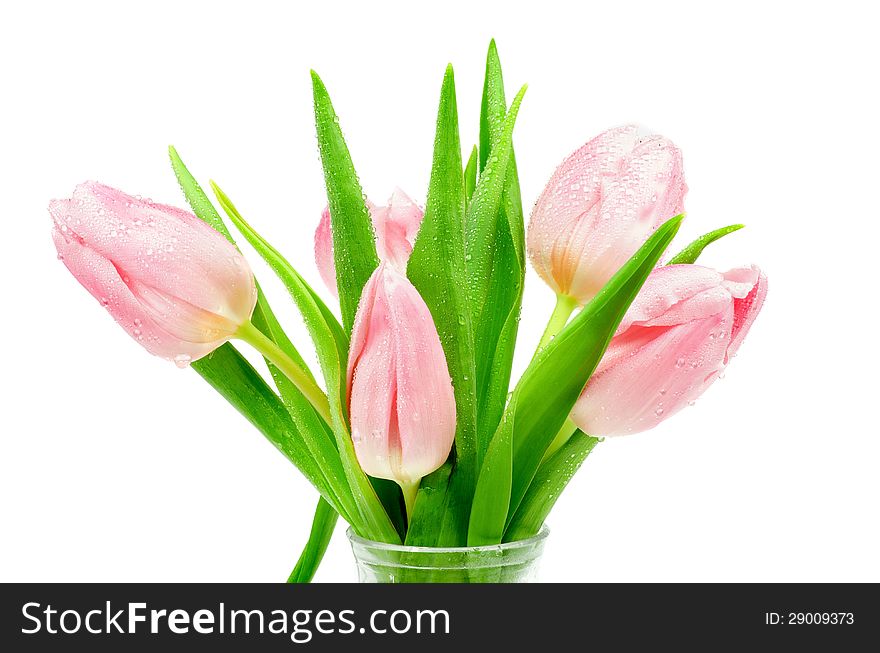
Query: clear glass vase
[511, 562]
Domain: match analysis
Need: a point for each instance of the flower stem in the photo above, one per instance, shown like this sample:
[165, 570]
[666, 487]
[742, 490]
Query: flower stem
[299, 377]
[410, 490]
[558, 319]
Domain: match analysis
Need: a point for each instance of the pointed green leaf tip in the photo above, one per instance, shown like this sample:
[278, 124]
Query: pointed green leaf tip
[195, 196]
[323, 524]
[692, 252]
[354, 245]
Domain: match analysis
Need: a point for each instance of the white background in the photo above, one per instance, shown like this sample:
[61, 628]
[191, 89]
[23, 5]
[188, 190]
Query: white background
[115, 466]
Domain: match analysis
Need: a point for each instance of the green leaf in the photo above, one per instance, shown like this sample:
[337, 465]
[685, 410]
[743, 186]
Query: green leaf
[264, 318]
[372, 521]
[481, 220]
[556, 376]
[470, 175]
[692, 252]
[316, 433]
[198, 200]
[307, 421]
[437, 270]
[392, 499]
[497, 324]
[493, 140]
[228, 372]
[323, 525]
[354, 245]
[493, 108]
[492, 496]
[550, 480]
[429, 507]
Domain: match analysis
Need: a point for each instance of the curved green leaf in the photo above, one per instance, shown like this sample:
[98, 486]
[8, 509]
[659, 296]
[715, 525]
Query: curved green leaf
[492, 496]
[373, 521]
[481, 220]
[691, 253]
[550, 480]
[264, 317]
[308, 422]
[195, 196]
[556, 376]
[230, 374]
[302, 412]
[323, 524]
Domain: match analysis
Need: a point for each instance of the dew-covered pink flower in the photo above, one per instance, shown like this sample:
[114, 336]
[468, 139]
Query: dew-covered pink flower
[176, 285]
[675, 340]
[401, 402]
[600, 206]
[396, 226]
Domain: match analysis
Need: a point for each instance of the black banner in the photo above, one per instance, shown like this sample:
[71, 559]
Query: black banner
[115, 617]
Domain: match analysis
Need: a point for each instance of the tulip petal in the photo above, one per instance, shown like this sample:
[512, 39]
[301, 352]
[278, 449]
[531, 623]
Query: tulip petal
[397, 226]
[161, 246]
[567, 209]
[674, 294]
[372, 384]
[324, 252]
[740, 282]
[647, 189]
[746, 309]
[674, 341]
[657, 371]
[600, 205]
[401, 402]
[179, 317]
[426, 403]
[174, 283]
[101, 278]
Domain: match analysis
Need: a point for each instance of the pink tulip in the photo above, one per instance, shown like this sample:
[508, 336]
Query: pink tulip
[675, 340]
[396, 226]
[599, 207]
[401, 402]
[172, 282]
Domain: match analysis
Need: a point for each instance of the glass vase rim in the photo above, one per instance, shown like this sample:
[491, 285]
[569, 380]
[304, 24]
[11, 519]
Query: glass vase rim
[537, 538]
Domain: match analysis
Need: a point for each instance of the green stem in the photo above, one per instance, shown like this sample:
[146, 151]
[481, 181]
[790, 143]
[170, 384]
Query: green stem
[561, 438]
[299, 377]
[565, 305]
[410, 490]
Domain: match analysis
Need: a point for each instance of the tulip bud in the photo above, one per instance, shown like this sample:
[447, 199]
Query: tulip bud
[675, 340]
[401, 401]
[600, 206]
[178, 287]
[396, 226]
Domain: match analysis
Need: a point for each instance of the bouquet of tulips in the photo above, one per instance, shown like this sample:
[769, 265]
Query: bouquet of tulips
[410, 431]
